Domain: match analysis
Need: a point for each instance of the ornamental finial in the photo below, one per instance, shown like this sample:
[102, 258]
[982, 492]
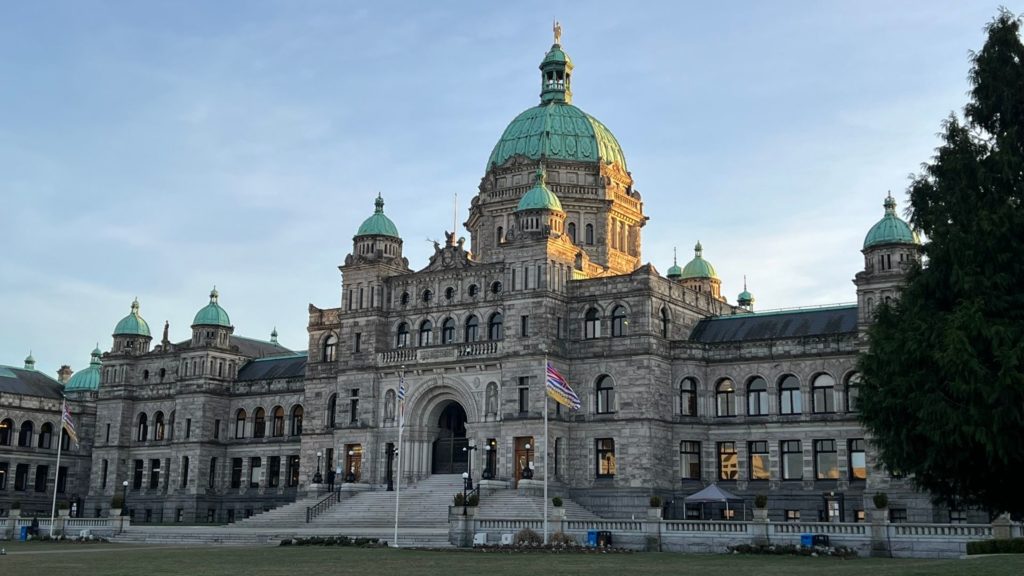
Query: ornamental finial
[556, 27]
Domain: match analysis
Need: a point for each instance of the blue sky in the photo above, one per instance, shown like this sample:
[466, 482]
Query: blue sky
[154, 149]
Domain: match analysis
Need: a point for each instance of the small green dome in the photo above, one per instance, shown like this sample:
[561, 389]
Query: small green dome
[212, 314]
[88, 378]
[132, 324]
[745, 298]
[378, 224]
[675, 271]
[540, 197]
[30, 362]
[556, 56]
[890, 229]
[699, 267]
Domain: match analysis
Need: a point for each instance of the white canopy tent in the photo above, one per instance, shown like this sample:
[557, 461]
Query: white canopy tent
[712, 494]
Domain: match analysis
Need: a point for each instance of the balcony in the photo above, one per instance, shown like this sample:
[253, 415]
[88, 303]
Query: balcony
[447, 353]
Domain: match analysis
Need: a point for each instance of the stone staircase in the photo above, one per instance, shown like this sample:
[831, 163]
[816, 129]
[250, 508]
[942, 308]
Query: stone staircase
[422, 505]
[510, 505]
[287, 516]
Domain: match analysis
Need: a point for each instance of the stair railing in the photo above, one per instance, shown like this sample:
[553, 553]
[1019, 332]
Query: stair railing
[322, 506]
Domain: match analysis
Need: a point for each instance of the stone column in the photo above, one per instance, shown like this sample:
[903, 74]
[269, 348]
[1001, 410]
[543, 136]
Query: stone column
[879, 527]
[1002, 527]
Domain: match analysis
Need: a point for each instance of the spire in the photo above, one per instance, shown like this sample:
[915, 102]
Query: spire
[378, 204]
[96, 353]
[214, 295]
[30, 362]
[698, 250]
[273, 336]
[135, 306]
[890, 204]
[675, 257]
[556, 72]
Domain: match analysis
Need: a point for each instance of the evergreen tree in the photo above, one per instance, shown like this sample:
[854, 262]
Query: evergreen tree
[943, 380]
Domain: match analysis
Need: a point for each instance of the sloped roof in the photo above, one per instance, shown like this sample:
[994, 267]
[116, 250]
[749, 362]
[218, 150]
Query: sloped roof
[712, 493]
[258, 348]
[28, 383]
[776, 325]
[289, 366]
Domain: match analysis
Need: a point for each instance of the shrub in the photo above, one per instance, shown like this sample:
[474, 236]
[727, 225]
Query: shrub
[460, 499]
[556, 502]
[528, 537]
[793, 550]
[655, 501]
[473, 500]
[117, 502]
[881, 500]
[563, 540]
[1006, 546]
[63, 505]
[760, 501]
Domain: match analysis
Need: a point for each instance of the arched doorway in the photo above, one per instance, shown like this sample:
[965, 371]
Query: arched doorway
[449, 456]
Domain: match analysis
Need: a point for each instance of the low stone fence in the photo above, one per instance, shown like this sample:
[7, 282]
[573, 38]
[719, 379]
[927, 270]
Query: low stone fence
[10, 527]
[877, 538]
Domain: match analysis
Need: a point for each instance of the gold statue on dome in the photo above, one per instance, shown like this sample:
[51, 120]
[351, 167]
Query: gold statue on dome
[557, 29]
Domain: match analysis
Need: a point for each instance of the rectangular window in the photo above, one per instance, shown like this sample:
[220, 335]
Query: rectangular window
[689, 460]
[21, 477]
[357, 342]
[184, 471]
[353, 408]
[858, 516]
[108, 433]
[858, 461]
[103, 474]
[62, 480]
[188, 427]
[524, 394]
[216, 429]
[958, 516]
[792, 515]
[274, 474]
[212, 480]
[728, 461]
[137, 475]
[605, 451]
[524, 326]
[4, 469]
[558, 327]
[255, 471]
[759, 460]
[154, 473]
[42, 472]
[897, 515]
[236, 472]
[792, 460]
[826, 463]
[293, 471]
[515, 282]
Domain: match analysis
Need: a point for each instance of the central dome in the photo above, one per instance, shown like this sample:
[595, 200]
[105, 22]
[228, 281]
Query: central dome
[555, 129]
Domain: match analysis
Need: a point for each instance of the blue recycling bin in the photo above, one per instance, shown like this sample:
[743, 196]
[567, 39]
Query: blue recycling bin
[592, 538]
[806, 540]
[24, 533]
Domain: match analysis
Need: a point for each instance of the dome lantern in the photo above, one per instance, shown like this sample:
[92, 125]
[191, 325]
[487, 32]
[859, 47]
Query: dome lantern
[675, 272]
[890, 229]
[133, 324]
[30, 362]
[556, 72]
[212, 314]
[699, 267]
[378, 224]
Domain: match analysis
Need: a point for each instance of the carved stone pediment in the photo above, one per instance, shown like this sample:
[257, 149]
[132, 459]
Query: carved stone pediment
[452, 255]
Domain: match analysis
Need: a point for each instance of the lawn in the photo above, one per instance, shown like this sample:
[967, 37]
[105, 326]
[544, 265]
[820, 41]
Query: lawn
[121, 559]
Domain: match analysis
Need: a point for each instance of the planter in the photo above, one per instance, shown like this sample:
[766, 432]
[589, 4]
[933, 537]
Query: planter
[114, 512]
[654, 513]
[558, 512]
[63, 513]
[760, 514]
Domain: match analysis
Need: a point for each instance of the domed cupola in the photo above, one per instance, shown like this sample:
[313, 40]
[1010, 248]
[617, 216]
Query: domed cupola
[87, 380]
[674, 271]
[890, 229]
[30, 362]
[700, 275]
[377, 238]
[539, 211]
[131, 334]
[212, 326]
[745, 299]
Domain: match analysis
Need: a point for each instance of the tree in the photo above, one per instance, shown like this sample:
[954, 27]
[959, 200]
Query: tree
[943, 378]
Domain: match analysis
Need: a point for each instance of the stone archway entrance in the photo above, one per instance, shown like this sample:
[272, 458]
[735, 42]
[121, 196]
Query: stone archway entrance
[449, 456]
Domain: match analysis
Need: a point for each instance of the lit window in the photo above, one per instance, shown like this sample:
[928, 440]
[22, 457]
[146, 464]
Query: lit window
[858, 461]
[826, 462]
[759, 461]
[728, 461]
[605, 449]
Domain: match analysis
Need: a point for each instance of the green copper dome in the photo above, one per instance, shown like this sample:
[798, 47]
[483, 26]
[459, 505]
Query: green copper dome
[378, 224]
[540, 197]
[699, 267]
[132, 324]
[212, 314]
[890, 229]
[89, 378]
[30, 362]
[556, 129]
[675, 271]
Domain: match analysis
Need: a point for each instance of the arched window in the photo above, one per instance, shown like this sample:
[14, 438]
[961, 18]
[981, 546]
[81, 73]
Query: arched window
[688, 397]
[494, 326]
[158, 426]
[332, 411]
[143, 429]
[170, 425]
[571, 230]
[472, 329]
[277, 427]
[6, 431]
[240, 417]
[789, 395]
[25, 435]
[402, 337]
[46, 436]
[853, 392]
[499, 235]
[619, 321]
[664, 322]
[757, 397]
[592, 324]
[426, 333]
[259, 423]
[725, 398]
[331, 348]
[65, 440]
[297, 420]
[604, 391]
[447, 331]
[823, 398]
[588, 233]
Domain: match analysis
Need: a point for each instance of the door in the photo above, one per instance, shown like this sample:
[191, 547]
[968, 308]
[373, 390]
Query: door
[449, 452]
[524, 448]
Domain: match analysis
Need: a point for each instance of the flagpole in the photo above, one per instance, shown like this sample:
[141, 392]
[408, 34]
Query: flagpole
[56, 477]
[545, 448]
[401, 426]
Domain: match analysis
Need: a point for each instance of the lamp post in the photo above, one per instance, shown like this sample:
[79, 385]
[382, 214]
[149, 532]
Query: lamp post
[528, 468]
[351, 476]
[488, 472]
[124, 498]
[390, 451]
[467, 485]
[469, 462]
[318, 477]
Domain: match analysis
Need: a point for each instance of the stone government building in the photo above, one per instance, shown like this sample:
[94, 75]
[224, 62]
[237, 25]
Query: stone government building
[680, 388]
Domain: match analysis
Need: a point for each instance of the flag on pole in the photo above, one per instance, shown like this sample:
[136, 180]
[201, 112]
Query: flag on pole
[69, 425]
[401, 399]
[560, 391]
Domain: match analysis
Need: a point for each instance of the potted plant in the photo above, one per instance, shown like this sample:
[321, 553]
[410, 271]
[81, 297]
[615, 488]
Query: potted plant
[881, 512]
[63, 508]
[116, 505]
[761, 507]
[559, 511]
[15, 509]
[654, 510]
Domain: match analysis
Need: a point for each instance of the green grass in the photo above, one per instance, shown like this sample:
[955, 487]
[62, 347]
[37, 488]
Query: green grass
[120, 559]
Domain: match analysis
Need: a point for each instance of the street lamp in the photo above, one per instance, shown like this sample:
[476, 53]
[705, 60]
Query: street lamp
[488, 473]
[351, 476]
[318, 477]
[528, 469]
[467, 485]
[124, 498]
[390, 451]
[469, 461]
